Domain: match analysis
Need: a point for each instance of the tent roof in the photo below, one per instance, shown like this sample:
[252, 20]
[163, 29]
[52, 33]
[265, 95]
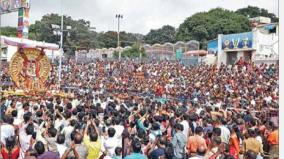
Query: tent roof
[26, 43]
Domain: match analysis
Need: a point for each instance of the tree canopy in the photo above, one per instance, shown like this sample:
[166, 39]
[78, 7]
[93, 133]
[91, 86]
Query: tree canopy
[133, 52]
[206, 26]
[252, 12]
[109, 39]
[79, 36]
[162, 35]
[8, 31]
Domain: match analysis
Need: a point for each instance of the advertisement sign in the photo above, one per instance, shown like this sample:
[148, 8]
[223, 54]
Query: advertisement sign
[23, 23]
[237, 41]
[7, 6]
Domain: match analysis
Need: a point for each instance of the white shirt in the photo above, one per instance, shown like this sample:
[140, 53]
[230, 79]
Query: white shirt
[21, 113]
[185, 127]
[8, 103]
[67, 132]
[24, 142]
[61, 149]
[19, 105]
[199, 110]
[75, 103]
[96, 101]
[118, 132]
[109, 145]
[252, 102]
[103, 105]
[258, 138]
[58, 123]
[218, 105]
[17, 121]
[225, 134]
[268, 99]
[7, 130]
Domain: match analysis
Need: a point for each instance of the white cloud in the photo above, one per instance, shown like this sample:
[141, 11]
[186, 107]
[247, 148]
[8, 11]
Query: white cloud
[139, 15]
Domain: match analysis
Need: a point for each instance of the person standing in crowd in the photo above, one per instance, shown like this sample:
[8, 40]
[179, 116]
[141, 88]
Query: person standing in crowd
[43, 154]
[110, 143]
[225, 132]
[79, 147]
[273, 140]
[10, 150]
[152, 109]
[136, 154]
[179, 142]
[60, 143]
[118, 153]
[216, 142]
[200, 153]
[235, 140]
[7, 128]
[157, 149]
[196, 141]
[92, 140]
[252, 144]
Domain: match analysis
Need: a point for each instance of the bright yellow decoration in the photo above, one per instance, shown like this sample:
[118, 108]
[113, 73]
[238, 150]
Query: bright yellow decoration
[29, 69]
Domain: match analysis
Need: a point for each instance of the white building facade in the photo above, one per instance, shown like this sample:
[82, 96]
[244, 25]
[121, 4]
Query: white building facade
[259, 45]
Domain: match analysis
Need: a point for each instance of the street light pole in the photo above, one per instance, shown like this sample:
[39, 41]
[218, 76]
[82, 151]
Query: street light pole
[61, 48]
[118, 16]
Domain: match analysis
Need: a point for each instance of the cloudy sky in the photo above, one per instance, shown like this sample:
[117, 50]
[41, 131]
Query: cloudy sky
[139, 16]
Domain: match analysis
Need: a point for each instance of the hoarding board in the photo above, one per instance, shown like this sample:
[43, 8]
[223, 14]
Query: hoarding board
[237, 41]
[7, 6]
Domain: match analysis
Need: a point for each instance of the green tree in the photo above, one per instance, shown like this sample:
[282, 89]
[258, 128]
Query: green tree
[206, 26]
[8, 31]
[78, 37]
[133, 52]
[162, 35]
[109, 39]
[128, 39]
[252, 12]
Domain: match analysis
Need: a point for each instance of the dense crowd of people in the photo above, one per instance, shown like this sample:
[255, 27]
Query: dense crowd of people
[155, 110]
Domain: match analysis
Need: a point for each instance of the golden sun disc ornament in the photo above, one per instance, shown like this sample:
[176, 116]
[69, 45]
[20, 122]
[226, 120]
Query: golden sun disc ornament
[29, 69]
